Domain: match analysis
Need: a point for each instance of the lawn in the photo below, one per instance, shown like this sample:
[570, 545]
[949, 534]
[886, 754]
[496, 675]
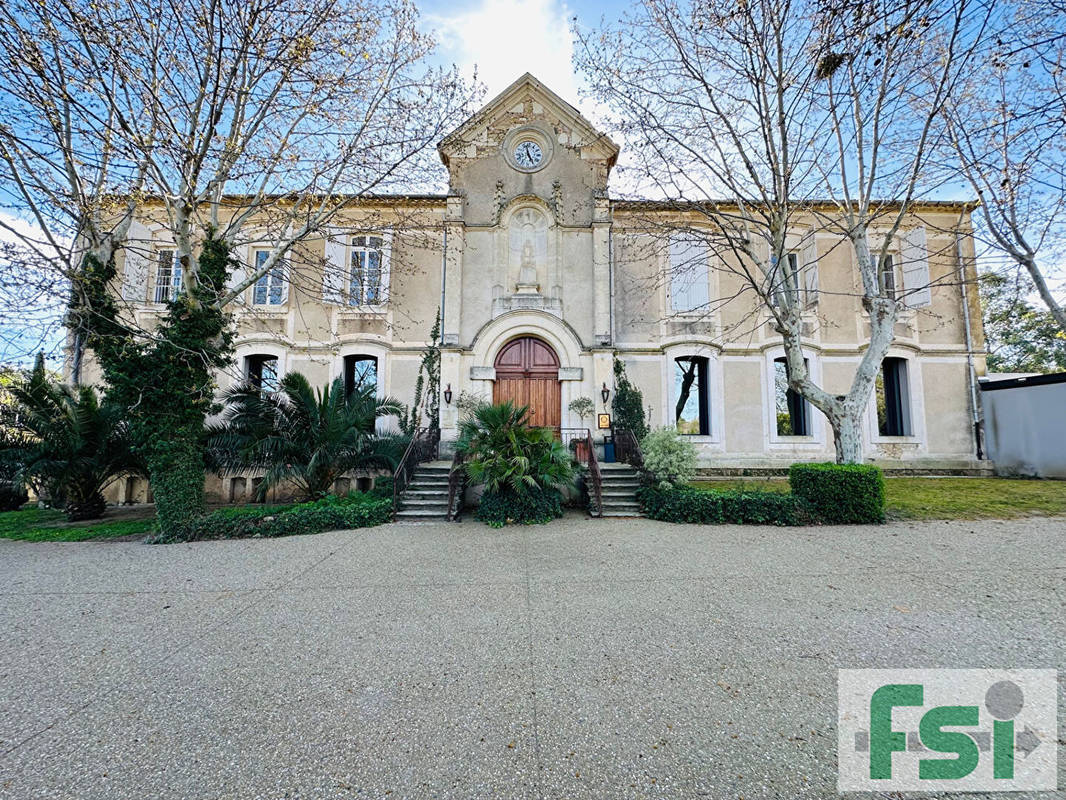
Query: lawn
[49, 525]
[946, 498]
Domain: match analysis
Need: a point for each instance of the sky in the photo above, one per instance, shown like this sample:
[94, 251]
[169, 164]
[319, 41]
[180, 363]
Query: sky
[505, 38]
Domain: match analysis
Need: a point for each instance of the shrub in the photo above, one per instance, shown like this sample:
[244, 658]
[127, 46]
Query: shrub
[583, 407]
[840, 493]
[68, 444]
[12, 496]
[383, 486]
[302, 436]
[711, 507]
[529, 507]
[628, 403]
[503, 452]
[669, 457]
[330, 513]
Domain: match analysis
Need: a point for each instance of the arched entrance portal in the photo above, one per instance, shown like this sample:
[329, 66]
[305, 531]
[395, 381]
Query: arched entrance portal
[527, 374]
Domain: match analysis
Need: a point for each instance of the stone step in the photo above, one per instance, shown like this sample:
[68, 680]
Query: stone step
[420, 514]
[606, 492]
[423, 502]
[616, 504]
[427, 491]
[613, 513]
[424, 483]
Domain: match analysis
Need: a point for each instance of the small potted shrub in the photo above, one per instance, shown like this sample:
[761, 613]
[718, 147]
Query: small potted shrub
[583, 407]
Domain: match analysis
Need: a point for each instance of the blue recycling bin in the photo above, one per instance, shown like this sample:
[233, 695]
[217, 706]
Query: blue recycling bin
[608, 451]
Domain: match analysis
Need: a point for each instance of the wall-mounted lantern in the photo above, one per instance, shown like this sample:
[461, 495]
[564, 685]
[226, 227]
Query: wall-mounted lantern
[448, 395]
[605, 393]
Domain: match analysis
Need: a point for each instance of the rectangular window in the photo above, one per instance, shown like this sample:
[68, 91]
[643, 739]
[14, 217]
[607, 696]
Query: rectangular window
[364, 285]
[793, 412]
[167, 277]
[787, 284]
[691, 390]
[689, 275]
[888, 276]
[893, 398]
[269, 287]
[262, 372]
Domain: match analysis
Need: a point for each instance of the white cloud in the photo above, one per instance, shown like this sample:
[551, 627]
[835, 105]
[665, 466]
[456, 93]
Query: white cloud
[505, 38]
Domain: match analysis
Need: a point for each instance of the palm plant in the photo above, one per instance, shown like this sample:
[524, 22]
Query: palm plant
[302, 436]
[503, 452]
[70, 445]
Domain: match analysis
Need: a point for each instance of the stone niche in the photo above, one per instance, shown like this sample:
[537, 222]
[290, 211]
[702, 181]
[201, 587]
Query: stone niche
[527, 268]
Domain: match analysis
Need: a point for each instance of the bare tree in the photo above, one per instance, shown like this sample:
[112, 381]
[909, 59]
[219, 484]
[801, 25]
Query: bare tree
[1006, 127]
[238, 122]
[763, 121]
[69, 182]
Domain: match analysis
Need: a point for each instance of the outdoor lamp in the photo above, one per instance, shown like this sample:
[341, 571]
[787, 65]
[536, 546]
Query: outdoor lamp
[448, 395]
[605, 393]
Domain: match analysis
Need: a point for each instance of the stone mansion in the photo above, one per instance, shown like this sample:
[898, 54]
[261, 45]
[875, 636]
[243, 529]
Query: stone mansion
[542, 280]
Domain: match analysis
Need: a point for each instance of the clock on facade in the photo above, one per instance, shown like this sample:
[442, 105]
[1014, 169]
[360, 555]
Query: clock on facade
[528, 154]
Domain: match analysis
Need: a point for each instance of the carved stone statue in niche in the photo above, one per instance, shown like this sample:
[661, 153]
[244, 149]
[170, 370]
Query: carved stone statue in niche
[529, 250]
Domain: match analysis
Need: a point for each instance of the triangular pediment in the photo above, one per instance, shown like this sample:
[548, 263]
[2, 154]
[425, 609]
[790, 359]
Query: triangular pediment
[526, 100]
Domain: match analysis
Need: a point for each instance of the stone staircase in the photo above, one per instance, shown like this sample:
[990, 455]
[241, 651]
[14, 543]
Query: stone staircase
[620, 483]
[426, 496]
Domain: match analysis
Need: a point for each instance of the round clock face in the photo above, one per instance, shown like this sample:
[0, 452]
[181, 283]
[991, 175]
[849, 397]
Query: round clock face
[528, 154]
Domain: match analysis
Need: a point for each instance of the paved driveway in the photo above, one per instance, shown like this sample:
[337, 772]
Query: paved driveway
[584, 659]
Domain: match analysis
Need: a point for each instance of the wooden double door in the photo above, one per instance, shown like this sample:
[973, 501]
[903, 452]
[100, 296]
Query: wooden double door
[527, 374]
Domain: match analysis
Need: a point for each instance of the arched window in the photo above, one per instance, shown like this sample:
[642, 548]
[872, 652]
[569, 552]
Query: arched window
[792, 411]
[360, 371]
[691, 396]
[262, 372]
[893, 398]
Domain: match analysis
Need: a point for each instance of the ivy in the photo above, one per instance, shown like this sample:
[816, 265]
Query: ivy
[426, 404]
[628, 404]
[164, 378]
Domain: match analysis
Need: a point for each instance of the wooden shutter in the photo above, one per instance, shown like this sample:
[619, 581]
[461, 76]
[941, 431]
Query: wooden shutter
[915, 266]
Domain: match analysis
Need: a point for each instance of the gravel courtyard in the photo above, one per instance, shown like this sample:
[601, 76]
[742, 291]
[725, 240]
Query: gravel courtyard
[583, 659]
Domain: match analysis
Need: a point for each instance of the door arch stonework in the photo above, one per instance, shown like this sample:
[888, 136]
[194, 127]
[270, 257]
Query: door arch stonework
[527, 374]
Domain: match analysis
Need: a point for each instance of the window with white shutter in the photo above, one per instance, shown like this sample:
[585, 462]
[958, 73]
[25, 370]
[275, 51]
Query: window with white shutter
[689, 275]
[915, 264]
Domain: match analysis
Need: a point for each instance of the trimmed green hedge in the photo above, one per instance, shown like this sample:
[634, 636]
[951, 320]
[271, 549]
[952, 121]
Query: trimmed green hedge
[532, 507]
[840, 493]
[712, 507]
[357, 510]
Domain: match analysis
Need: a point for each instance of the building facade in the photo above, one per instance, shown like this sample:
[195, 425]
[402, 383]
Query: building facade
[542, 280]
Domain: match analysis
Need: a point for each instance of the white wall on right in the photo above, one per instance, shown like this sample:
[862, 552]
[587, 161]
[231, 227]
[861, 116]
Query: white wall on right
[1025, 432]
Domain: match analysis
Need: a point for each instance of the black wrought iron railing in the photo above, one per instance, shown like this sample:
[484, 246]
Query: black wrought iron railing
[580, 441]
[423, 447]
[456, 487]
[627, 448]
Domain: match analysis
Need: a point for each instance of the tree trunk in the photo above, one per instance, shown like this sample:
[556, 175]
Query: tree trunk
[847, 436]
[176, 473]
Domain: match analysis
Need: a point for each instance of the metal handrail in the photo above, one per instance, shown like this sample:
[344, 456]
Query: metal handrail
[594, 474]
[595, 479]
[422, 447]
[456, 487]
[627, 448]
